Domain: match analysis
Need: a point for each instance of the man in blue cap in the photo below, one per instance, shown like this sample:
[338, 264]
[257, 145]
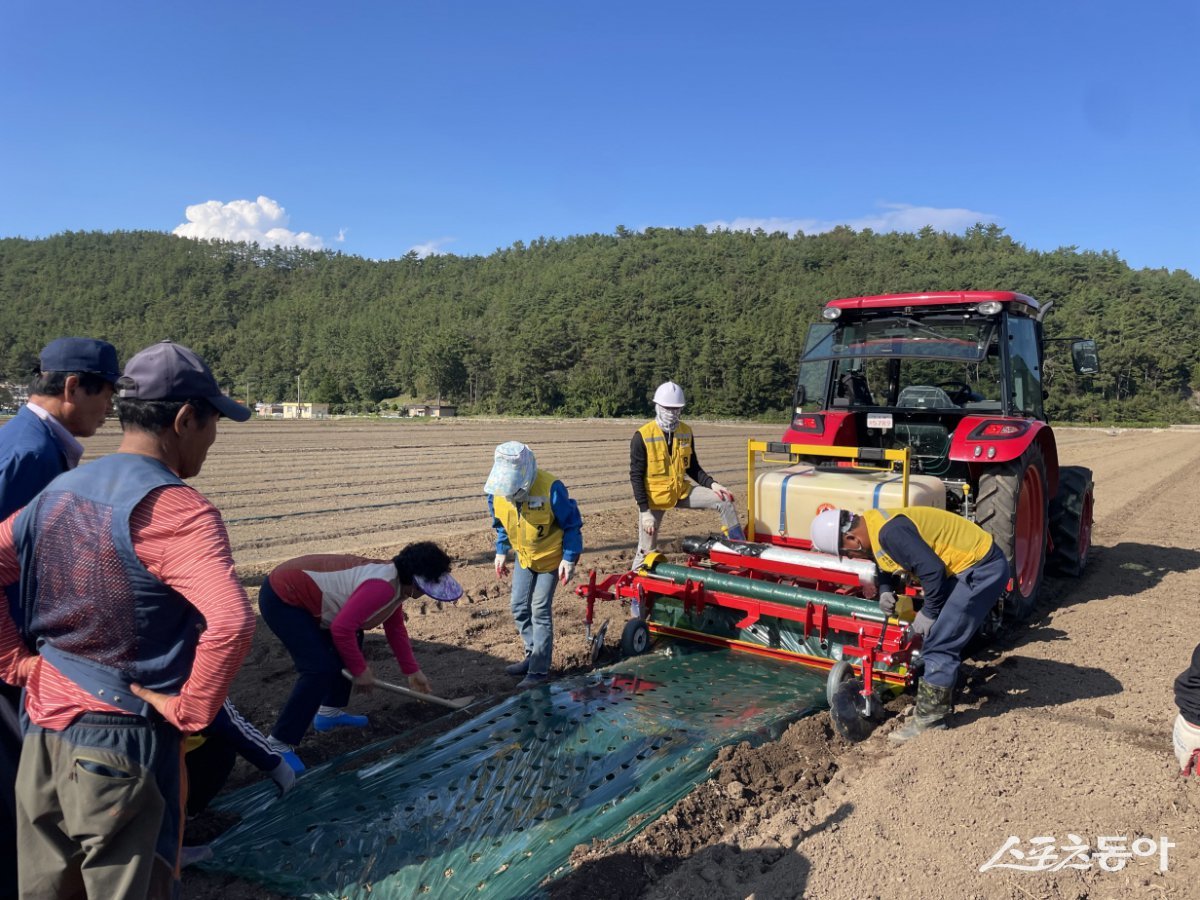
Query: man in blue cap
[133, 625]
[70, 396]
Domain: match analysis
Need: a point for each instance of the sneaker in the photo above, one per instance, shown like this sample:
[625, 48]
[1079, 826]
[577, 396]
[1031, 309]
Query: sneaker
[516, 670]
[341, 720]
[189, 856]
[533, 680]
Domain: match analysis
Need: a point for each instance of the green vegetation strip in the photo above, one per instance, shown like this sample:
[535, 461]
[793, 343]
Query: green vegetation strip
[494, 807]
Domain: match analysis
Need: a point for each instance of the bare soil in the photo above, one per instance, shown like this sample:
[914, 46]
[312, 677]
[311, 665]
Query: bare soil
[1061, 729]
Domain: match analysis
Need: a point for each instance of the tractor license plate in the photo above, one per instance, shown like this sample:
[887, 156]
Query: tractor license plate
[879, 420]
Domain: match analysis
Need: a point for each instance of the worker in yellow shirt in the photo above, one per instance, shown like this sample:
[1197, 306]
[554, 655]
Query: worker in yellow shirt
[962, 574]
[665, 473]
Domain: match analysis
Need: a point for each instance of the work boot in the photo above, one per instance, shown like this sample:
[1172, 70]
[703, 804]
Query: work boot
[516, 670]
[933, 706]
[340, 719]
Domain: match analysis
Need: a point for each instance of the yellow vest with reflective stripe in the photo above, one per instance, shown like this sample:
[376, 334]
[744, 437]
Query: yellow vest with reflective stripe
[957, 542]
[534, 533]
[666, 473]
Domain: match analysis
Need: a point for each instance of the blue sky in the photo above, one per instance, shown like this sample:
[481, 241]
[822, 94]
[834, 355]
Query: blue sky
[461, 127]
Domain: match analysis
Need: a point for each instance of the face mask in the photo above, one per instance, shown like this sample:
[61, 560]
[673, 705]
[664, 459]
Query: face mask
[666, 417]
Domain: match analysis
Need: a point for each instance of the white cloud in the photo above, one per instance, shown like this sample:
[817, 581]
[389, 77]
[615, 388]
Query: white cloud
[431, 248]
[891, 217]
[261, 221]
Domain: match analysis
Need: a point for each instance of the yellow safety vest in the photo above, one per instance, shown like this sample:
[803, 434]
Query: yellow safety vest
[533, 531]
[957, 542]
[666, 473]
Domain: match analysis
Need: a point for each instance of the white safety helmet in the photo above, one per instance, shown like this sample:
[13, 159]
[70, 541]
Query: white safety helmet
[669, 394]
[826, 532]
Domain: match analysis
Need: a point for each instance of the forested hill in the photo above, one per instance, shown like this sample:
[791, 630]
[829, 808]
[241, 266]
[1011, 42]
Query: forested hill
[581, 326]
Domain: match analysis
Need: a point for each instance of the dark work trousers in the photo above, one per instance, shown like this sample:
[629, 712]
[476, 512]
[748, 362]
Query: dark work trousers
[318, 665]
[973, 593]
[10, 756]
[208, 768]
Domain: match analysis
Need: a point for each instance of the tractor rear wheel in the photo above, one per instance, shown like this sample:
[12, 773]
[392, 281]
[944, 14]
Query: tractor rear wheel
[1071, 521]
[1012, 507]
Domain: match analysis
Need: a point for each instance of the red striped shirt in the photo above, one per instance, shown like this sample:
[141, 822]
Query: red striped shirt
[180, 538]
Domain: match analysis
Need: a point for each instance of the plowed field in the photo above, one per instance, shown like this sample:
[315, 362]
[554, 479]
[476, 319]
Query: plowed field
[1063, 729]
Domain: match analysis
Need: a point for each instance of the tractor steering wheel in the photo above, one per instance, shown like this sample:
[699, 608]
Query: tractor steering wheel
[961, 394]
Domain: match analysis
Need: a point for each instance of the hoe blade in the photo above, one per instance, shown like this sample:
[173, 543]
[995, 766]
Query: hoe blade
[598, 641]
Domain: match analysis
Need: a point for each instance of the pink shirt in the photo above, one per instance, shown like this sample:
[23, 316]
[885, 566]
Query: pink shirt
[180, 538]
[345, 592]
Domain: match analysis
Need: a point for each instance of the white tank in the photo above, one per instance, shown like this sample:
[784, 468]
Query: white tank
[787, 500]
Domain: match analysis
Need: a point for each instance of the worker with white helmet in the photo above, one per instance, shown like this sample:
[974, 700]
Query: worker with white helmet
[662, 459]
[962, 574]
[534, 516]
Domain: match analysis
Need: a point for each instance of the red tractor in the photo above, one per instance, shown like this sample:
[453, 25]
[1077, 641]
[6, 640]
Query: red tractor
[957, 378]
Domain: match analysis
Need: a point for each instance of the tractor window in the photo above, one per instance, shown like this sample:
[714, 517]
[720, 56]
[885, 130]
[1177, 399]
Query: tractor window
[810, 383]
[1026, 367]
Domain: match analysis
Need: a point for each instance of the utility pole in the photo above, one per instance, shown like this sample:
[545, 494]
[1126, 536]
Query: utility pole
[297, 390]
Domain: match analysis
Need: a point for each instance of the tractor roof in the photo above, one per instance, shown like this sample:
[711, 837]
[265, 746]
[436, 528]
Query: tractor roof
[935, 298]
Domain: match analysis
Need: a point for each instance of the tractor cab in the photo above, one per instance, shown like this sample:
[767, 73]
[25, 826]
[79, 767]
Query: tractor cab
[937, 373]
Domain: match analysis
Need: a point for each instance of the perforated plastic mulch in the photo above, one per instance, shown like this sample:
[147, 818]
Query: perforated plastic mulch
[494, 807]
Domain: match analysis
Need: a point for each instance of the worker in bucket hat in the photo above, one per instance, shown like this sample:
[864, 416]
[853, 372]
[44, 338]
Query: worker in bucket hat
[962, 574]
[662, 462]
[319, 606]
[535, 517]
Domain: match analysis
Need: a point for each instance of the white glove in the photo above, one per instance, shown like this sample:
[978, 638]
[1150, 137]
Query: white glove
[887, 602]
[284, 777]
[722, 492]
[501, 563]
[646, 520]
[1186, 738]
[566, 571]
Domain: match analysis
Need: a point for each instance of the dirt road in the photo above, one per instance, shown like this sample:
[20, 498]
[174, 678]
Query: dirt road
[1062, 731]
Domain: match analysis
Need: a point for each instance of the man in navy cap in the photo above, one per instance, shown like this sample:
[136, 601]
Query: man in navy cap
[69, 398]
[128, 593]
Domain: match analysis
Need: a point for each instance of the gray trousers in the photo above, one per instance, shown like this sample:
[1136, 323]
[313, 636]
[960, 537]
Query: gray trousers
[99, 810]
[699, 498]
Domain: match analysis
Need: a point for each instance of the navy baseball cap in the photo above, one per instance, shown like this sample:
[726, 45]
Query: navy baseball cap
[170, 371]
[76, 354]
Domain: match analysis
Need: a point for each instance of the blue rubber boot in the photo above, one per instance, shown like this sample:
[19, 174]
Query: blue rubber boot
[341, 720]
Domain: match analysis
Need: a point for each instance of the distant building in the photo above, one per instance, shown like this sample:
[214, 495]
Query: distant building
[305, 410]
[430, 410]
[269, 410]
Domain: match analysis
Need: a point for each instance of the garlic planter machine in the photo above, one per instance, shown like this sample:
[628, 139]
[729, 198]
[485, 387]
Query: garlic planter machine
[771, 595]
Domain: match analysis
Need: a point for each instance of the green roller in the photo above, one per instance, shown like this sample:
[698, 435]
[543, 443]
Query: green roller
[769, 591]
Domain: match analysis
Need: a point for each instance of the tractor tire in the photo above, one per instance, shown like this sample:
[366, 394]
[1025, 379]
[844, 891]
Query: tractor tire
[1071, 522]
[1012, 506]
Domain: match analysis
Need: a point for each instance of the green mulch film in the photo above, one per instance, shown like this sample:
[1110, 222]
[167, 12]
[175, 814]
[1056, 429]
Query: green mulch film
[494, 807]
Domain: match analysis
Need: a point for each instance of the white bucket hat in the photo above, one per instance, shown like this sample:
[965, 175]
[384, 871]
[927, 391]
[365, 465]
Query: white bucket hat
[514, 470]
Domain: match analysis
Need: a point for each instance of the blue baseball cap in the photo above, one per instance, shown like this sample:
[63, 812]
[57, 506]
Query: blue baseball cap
[76, 354]
[170, 371]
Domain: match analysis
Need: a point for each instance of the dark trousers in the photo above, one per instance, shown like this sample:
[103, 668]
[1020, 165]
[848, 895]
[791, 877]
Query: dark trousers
[973, 593]
[318, 665]
[208, 768]
[10, 756]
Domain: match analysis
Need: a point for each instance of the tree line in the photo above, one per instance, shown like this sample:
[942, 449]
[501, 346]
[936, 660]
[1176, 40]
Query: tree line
[579, 326]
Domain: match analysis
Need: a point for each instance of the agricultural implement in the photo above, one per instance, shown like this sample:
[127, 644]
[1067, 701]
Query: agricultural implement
[906, 399]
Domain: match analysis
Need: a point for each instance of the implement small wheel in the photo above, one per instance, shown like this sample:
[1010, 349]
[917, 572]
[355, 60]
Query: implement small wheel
[847, 706]
[635, 639]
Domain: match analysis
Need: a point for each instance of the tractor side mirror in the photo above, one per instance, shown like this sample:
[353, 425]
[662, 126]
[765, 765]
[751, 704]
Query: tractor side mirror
[1084, 358]
[801, 395]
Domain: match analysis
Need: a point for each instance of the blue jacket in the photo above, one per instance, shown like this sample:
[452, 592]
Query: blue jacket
[30, 458]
